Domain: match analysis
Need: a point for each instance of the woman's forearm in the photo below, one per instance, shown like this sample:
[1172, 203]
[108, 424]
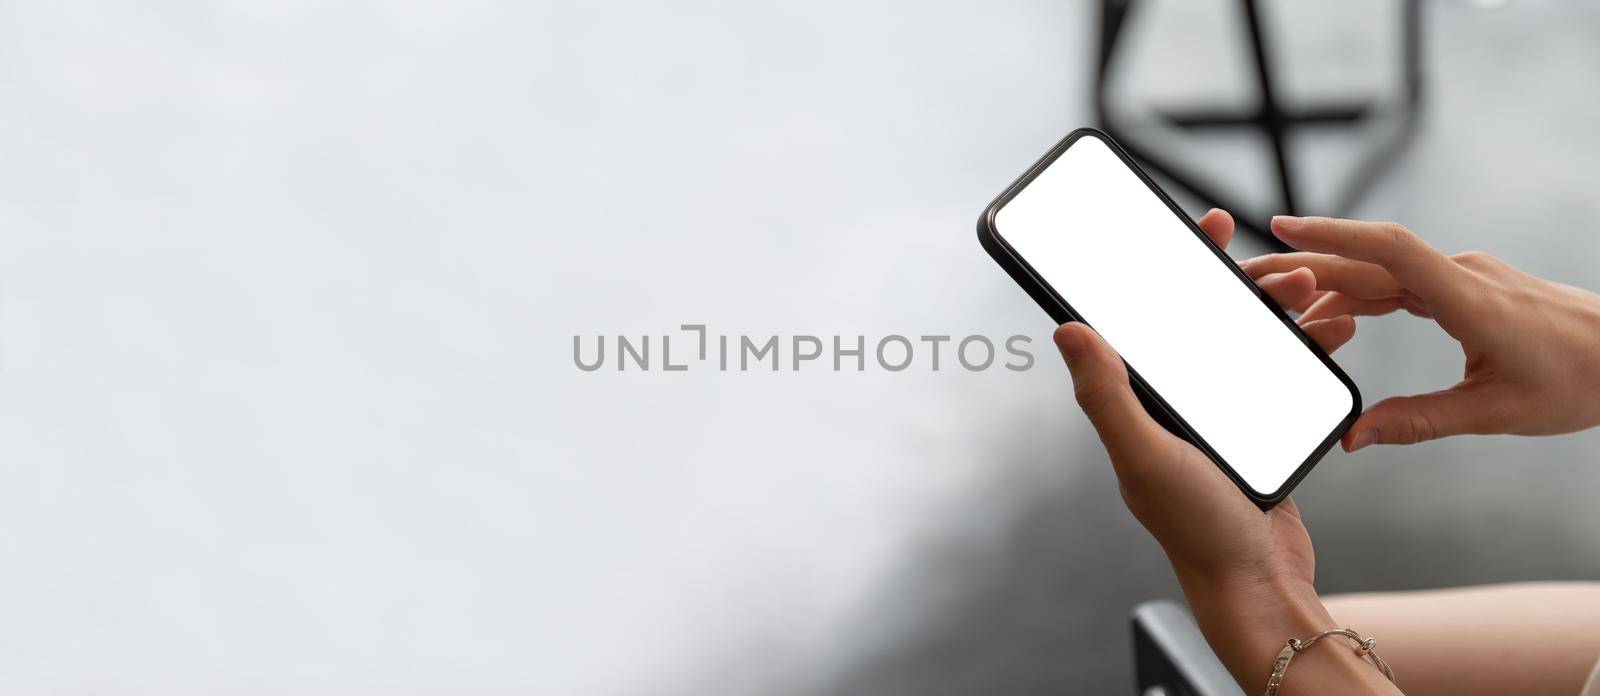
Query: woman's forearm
[1247, 622]
[1525, 638]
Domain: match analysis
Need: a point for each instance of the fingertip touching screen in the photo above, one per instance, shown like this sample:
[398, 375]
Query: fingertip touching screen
[1126, 264]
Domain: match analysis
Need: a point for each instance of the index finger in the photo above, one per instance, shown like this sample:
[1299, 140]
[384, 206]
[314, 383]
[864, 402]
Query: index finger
[1417, 266]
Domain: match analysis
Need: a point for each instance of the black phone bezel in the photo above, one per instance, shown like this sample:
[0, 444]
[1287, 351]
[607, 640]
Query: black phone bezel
[1061, 312]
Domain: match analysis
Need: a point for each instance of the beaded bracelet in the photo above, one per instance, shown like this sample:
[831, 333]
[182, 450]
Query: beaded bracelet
[1364, 648]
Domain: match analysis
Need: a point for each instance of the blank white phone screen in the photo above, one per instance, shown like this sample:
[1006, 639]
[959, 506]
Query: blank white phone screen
[1199, 336]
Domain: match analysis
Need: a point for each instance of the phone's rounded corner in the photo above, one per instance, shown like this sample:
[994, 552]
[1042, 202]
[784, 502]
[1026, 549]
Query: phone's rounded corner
[1091, 131]
[1355, 404]
[986, 229]
[988, 222]
[1349, 417]
[989, 237]
[1267, 502]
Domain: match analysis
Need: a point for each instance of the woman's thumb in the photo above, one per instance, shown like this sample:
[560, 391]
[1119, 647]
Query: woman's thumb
[1100, 382]
[1407, 420]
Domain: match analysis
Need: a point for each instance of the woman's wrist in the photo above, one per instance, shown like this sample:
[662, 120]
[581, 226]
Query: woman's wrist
[1248, 617]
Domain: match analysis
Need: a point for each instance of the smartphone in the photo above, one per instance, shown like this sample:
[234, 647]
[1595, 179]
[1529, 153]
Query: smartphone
[1092, 238]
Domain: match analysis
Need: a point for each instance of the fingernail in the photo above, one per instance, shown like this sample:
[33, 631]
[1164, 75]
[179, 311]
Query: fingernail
[1363, 439]
[1286, 223]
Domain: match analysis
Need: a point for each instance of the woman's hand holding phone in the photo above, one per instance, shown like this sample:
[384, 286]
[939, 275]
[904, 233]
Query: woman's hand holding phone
[1162, 476]
[1246, 573]
[1532, 346]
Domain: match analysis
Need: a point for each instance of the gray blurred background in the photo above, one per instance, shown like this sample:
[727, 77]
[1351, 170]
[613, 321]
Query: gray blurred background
[287, 292]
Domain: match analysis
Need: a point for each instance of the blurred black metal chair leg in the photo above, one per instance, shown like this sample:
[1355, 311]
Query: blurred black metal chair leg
[1269, 117]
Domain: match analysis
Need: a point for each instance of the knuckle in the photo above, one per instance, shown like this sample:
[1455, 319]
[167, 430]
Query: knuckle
[1094, 395]
[1489, 296]
[1397, 234]
[1475, 260]
[1412, 429]
[1265, 263]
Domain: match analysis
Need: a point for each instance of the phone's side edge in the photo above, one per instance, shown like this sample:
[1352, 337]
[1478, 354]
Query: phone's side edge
[989, 238]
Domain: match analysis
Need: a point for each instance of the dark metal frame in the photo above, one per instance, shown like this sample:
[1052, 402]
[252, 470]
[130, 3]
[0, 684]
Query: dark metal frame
[1171, 657]
[1269, 117]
